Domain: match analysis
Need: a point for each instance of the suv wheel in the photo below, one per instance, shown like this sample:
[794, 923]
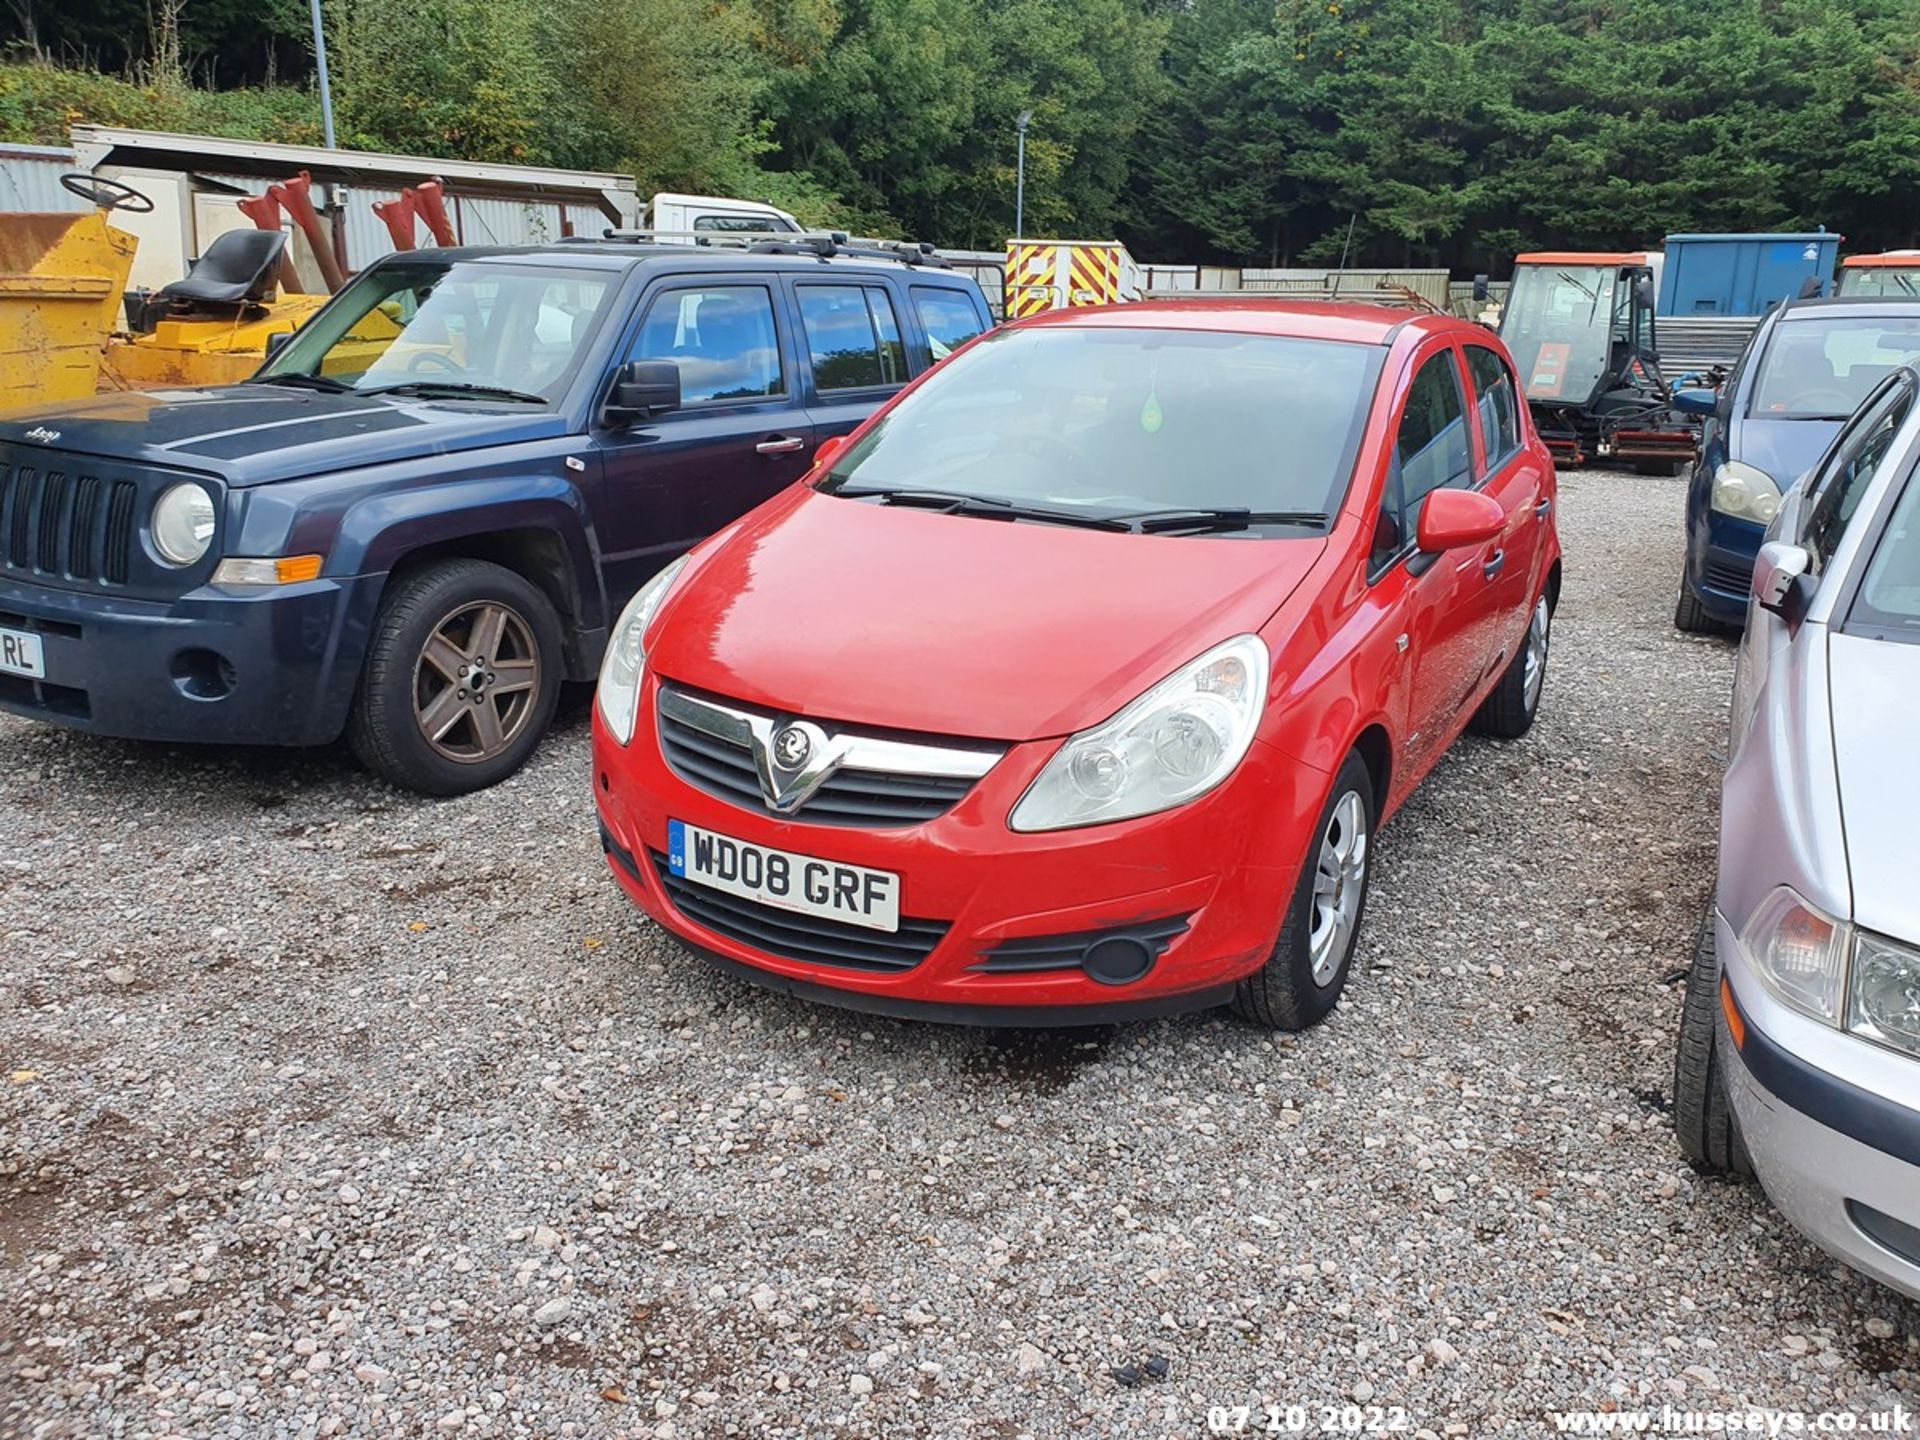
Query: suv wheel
[1703, 1115]
[461, 678]
[1307, 970]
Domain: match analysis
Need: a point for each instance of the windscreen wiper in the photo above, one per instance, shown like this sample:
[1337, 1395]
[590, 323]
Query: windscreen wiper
[988, 506]
[1162, 522]
[429, 389]
[303, 380]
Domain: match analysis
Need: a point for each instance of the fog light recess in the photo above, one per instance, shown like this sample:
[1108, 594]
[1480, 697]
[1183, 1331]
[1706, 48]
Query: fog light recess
[203, 674]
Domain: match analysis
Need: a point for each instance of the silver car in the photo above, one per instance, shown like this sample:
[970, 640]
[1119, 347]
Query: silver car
[1800, 1041]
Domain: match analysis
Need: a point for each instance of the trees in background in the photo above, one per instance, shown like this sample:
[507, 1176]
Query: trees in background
[1445, 132]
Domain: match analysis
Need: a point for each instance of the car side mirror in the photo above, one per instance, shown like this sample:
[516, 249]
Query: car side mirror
[829, 451]
[277, 342]
[644, 388]
[1696, 400]
[1777, 572]
[1455, 519]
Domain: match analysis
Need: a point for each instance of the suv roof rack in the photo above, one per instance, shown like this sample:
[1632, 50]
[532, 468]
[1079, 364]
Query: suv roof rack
[821, 245]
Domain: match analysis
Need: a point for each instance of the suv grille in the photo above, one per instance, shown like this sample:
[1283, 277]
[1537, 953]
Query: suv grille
[806, 938]
[881, 781]
[56, 522]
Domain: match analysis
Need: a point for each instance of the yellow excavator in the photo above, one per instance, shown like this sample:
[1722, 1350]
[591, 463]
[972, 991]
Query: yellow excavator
[63, 282]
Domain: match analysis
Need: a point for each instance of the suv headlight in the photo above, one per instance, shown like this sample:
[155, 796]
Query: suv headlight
[1746, 493]
[1799, 954]
[183, 523]
[1885, 993]
[618, 693]
[1173, 744]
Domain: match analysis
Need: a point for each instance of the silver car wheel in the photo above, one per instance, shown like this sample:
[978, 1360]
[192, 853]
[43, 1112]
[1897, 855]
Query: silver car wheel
[1339, 880]
[1536, 663]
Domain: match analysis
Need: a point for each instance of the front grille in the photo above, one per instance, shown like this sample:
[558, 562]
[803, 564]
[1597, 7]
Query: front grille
[789, 936]
[1720, 575]
[710, 745]
[52, 523]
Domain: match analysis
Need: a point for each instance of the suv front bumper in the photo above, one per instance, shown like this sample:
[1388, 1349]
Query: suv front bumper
[1836, 1153]
[269, 667]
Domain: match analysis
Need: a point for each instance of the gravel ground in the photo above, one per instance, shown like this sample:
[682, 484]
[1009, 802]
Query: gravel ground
[335, 1111]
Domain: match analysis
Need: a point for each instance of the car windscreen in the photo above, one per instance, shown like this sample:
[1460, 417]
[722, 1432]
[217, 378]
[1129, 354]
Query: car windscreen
[1110, 421]
[1888, 602]
[1558, 323]
[452, 328]
[1820, 367]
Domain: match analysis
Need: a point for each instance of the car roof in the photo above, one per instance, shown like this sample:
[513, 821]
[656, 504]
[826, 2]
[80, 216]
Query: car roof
[1868, 307]
[624, 254]
[1349, 321]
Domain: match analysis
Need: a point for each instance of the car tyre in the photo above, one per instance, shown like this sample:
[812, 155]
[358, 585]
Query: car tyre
[1690, 616]
[1307, 970]
[1703, 1117]
[1507, 713]
[441, 629]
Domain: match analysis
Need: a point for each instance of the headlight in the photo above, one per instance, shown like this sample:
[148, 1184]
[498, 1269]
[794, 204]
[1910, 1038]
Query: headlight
[1886, 993]
[618, 694]
[1176, 742]
[183, 524]
[1746, 493]
[1799, 954]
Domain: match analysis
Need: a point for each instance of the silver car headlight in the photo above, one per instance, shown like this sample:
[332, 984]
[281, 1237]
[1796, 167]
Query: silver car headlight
[1799, 954]
[618, 693]
[1745, 492]
[1885, 993]
[183, 523]
[1172, 745]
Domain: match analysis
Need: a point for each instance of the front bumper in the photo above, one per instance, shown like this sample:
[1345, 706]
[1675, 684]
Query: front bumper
[271, 667]
[1227, 863]
[1837, 1153]
[1720, 555]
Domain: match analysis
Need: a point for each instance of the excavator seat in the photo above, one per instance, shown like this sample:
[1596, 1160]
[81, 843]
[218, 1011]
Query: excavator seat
[240, 267]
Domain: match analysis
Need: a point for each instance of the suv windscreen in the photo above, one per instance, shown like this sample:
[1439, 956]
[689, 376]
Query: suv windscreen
[1821, 367]
[1118, 422]
[434, 324]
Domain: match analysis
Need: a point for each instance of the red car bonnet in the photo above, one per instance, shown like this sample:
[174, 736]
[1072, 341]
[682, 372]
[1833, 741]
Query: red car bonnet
[850, 610]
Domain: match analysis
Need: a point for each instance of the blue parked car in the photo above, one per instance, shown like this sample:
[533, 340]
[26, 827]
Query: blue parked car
[1806, 368]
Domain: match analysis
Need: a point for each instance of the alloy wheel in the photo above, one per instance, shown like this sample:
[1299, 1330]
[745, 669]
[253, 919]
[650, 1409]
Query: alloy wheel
[1536, 663]
[476, 680]
[1339, 880]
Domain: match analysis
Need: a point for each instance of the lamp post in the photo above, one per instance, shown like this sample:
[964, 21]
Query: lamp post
[326, 90]
[1020, 122]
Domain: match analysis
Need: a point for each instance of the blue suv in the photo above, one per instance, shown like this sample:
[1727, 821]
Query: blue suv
[422, 514]
[1805, 369]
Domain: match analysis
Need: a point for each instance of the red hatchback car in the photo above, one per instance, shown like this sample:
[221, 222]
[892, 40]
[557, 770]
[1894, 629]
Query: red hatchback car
[1076, 683]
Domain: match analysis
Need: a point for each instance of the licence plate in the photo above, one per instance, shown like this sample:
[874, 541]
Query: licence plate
[22, 654]
[829, 889]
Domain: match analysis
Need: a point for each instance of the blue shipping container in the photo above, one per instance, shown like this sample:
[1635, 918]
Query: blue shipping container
[1742, 274]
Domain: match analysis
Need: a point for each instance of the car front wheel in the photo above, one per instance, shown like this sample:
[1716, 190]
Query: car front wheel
[461, 678]
[1307, 970]
[1703, 1115]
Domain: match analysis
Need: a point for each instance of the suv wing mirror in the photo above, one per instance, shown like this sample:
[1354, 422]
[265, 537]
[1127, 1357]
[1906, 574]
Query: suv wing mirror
[644, 388]
[1696, 400]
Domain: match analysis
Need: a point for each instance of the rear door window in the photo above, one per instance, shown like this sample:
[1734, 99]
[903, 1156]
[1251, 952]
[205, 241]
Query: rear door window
[723, 339]
[1494, 399]
[949, 318]
[853, 336]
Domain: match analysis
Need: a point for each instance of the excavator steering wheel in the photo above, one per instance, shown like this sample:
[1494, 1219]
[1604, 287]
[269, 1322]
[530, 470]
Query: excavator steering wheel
[107, 194]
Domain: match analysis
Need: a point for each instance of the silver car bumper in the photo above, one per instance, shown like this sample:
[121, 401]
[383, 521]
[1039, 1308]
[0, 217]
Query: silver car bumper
[1836, 1153]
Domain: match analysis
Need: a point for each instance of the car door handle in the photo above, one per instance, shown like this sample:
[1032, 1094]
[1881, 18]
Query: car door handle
[780, 445]
[1496, 562]
[1543, 509]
